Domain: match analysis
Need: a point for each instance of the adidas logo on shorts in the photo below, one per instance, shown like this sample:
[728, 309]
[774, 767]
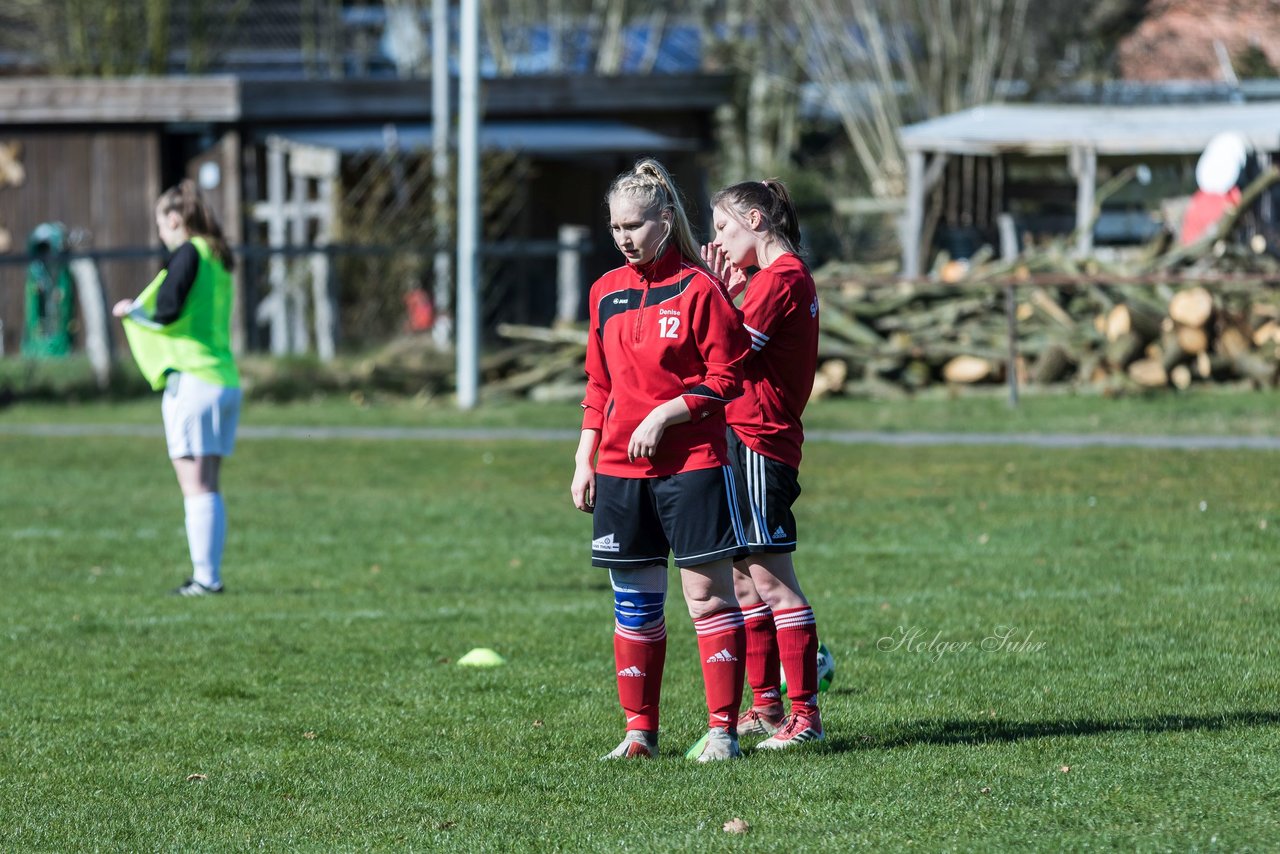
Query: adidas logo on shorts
[631, 671]
[721, 657]
[779, 532]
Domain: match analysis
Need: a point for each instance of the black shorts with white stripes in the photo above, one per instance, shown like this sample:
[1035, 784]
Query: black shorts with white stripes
[693, 515]
[767, 489]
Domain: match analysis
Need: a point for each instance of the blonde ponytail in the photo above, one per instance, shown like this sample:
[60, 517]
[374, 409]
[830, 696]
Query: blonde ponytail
[650, 184]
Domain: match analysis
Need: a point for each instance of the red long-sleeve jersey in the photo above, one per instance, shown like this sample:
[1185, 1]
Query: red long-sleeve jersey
[781, 313]
[660, 331]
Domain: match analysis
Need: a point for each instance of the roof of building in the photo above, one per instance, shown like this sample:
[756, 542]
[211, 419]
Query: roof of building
[225, 98]
[1056, 129]
[558, 137]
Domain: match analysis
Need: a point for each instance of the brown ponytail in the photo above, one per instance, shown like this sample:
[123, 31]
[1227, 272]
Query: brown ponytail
[771, 198]
[197, 217]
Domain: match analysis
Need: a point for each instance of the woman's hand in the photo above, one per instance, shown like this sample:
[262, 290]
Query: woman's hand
[122, 308]
[646, 437]
[583, 487]
[717, 261]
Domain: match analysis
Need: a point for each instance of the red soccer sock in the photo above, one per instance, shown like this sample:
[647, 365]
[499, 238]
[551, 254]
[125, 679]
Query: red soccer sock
[639, 656]
[722, 647]
[798, 649]
[762, 657]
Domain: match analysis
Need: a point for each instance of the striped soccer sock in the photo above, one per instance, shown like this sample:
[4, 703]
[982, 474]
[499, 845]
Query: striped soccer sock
[762, 657]
[798, 649]
[640, 655]
[722, 647]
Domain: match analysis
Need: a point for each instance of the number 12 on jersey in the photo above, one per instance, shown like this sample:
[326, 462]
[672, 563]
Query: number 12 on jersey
[667, 327]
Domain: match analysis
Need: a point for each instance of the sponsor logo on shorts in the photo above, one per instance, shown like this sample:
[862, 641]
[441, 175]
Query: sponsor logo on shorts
[605, 544]
[779, 532]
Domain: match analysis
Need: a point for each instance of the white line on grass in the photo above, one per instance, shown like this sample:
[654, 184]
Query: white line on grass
[843, 437]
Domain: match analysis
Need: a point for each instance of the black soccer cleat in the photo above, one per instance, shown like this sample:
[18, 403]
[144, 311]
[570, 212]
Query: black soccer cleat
[191, 587]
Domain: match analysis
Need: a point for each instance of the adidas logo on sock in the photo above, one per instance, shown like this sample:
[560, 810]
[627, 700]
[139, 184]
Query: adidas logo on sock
[631, 671]
[779, 532]
[605, 544]
[723, 656]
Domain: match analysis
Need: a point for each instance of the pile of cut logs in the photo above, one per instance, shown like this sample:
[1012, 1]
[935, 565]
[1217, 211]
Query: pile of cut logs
[539, 363]
[1165, 317]
[892, 339]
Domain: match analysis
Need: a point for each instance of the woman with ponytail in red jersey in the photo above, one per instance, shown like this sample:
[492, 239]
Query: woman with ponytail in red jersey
[756, 226]
[664, 356]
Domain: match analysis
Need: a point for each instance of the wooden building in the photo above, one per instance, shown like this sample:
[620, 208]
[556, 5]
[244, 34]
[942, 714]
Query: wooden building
[94, 154]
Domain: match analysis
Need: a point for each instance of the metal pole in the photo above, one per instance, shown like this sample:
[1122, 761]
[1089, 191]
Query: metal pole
[569, 273]
[1008, 252]
[913, 220]
[1084, 165]
[442, 290]
[276, 305]
[468, 357]
[1011, 316]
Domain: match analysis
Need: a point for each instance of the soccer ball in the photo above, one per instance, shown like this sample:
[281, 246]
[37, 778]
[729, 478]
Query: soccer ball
[826, 669]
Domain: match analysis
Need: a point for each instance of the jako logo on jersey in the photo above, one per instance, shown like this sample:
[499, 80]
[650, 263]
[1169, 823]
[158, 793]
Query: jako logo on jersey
[721, 657]
[779, 532]
[605, 544]
[631, 671]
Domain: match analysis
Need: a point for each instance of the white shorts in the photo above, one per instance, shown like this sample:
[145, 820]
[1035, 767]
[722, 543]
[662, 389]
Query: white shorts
[199, 418]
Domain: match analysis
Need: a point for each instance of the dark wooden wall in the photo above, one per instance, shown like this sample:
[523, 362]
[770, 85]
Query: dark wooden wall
[102, 180]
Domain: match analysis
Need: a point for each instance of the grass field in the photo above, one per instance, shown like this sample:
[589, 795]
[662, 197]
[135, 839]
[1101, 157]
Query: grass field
[1132, 705]
[56, 391]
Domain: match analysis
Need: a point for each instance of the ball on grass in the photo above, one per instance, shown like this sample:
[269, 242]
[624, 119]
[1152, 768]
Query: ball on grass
[826, 669]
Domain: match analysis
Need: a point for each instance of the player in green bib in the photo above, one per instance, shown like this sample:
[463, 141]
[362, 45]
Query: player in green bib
[179, 329]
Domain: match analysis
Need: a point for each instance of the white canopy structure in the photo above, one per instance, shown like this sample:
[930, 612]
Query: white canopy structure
[1079, 133]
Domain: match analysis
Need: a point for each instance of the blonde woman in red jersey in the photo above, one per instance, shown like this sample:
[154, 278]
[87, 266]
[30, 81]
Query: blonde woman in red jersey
[664, 356]
[756, 226]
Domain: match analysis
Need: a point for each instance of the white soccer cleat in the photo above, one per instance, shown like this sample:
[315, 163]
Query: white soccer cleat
[796, 730]
[638, 744]
[719, 744]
